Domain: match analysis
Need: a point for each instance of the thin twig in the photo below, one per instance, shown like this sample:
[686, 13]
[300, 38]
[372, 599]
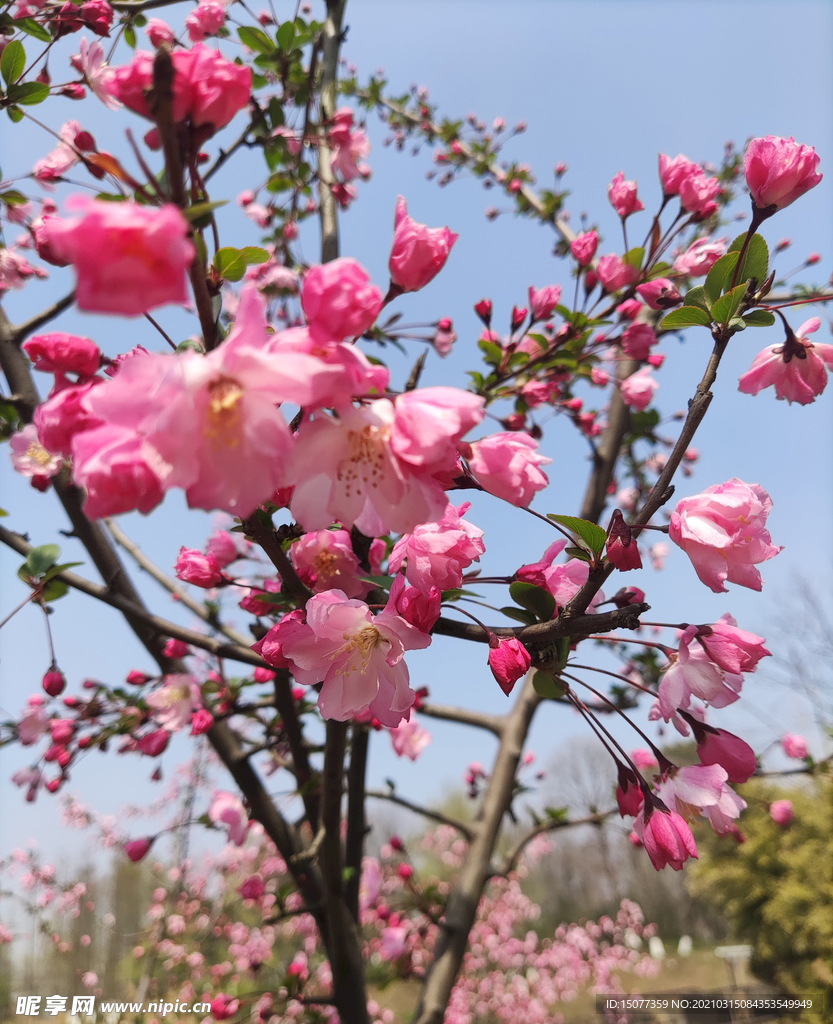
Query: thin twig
[426, 812]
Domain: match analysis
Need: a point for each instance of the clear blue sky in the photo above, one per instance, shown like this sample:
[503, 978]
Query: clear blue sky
[604, 85]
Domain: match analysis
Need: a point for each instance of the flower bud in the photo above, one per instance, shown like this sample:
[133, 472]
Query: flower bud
[54, 682]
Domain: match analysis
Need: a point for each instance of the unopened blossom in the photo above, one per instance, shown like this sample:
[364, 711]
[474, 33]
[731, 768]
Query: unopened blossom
[666, 837]
[137, 849]
[58, 352]
[644, 758]
[637, 340]
[223, 1006]
[201, 570]
[174, 701]
[437, 553]
[660, 293]
[339, 299]
[129, 259]
[639, 389]
[222, 546]
[253, 888]
[509, 660]
[733, 649]
[420, 608]
[723, 531]
[357, 656]
[697, 194]
[484, 310]
[623, 197]
[409, 739]
[674, 171]
[717, 746]
[29, 457]
[629, 796]
[206, 20]
[622, 549]
[445, 337]
[542, 301]
[614, 273]
[159, 32]
[797, 368]
[507, 465]
[779, 171]
[325, 560]
[794, 746]
[419, 253]
[583, 247]
[227, 809]
[781, 812]
[700, 257]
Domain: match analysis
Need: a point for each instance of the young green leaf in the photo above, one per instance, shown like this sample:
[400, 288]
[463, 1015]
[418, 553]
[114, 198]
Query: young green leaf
[13, 61]
[256, 39]
[727, 305]
[547, 686]
[590, 535]
[719, 278]
[534, 599]
[41, 559]
[688, 316]
[755, 260]
[759, 318]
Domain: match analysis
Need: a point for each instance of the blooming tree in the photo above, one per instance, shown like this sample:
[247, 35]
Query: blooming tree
[273, 409]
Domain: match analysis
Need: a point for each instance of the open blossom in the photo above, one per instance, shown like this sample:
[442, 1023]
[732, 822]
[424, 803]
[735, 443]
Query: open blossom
[666, 837]
[174, 701]
[119, 471]
[507, 465]
[637, 340]
[584, 246]
[700, 257]
[65, 414]
[61, 159]
[639, 389]
[614, 273]
[702, 789]
[445, 337]
[207, 20]
[674, 171]
[779, 171]
[91, 63]
[623, 197]
[794, 746]
[430, 423]
[63, 353]
[129, 259]
[723, 532]
[509, 660]
[437, 553]
[797, 369]
[409, 739]
[358, 657]
[697, 194]
[419, 253]
[692, 673]
[34, 723]
[420, 608]
[16, 270]
[325, 560]
[542, 301]
[227, 809]
[339, 299]
[644, 758]
[733, 649]
[29, 457]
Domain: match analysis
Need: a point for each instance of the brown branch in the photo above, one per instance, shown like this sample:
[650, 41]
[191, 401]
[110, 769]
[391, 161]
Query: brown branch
[478, 719]
[607, 451]
[22, 331]
[514, 856]
[266, 537]
[328, 210]
[356, 820]
[306, 777]
[443, 819]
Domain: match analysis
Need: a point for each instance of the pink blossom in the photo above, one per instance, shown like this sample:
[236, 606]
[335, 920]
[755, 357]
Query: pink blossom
[660, 293]
[154, 743]
[637, 340]
[273, 278]
[733, 649]
[584, 246]
[131, 84]
[542, 301]
[700, 257]
[253, 888]
[159, 32]
[223, 1006]
[693, 787]
[409, 739]
[779, 171]
[536, 572]
[29, 457]
[394, 942]
[639, 389]
[622, 549]
[201, 721]
[666, 837]
[717, 746]
[227, 809]
[794, 746]
[16, 270]
[421, 609]
[208, 18]
[357, 656]
[437, 553]
[119, 470]
[658, 553]
[697, 194]
[723, 531]
[339, 300]
[419, 253]
[222, 546]
[507, 465]
[623, 197]
[348, 158]
[673, 172]
[270, 648]
[33, 724]
[90, 62]
[174, 701]
[614, 273]
[176, 648]
[781, 812]
[445, 337]
[61, 159]
[129, 258]
[630, 309]
[692, 673]
[566, 580]
[65, 414]
[202, 570]
[797, 368]
[430, 423]
[643, 758]
[508, 660]
[325, 560]
[63, 353]
[137, 849]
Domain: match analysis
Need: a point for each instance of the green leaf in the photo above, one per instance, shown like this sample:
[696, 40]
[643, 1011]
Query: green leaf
[593, 537]
[719, 278]
[229, 263]
[580, 553]
[534, 599]
[13, 61]
[52, 591]
[254, 254]
[688, 316]
[29, 93]
[557, 813]
[492, 352]
[256, 39]
[547, 686]
[755, 260]
[59, 568]
[3, 513]
[200, 213]
[130, 36]
[286, 35]
[520, 615]
[759, 318]
[634, 257]
[41, 559]
[695, 297]
[725, 308]
[190, 345]
[385, 582]
[13, 198]
[32, 28]
[15, 114]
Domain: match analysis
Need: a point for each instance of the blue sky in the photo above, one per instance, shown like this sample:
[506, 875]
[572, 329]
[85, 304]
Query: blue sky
[603, 86]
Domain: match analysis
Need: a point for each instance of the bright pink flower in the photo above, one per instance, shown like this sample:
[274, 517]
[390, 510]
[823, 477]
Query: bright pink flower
[536, 572]
[192, 566]
[639, 389]
[484, 310]
[218, 88]
[445, 337]
[174, 701]
[420, 609]
[733, 649]
[542, 301]
[16, 270]
[700, 257]
[65, 414]
[223, 1006]
[723, 532]
[584, 247]
[409, 739]
[429, 424]
[154, 743]
[623, 197]
[253, 888]
[270, 648]
[131, 84]
[345, 469]
[666, 837]
[507, 465]
[339, 300]
[222, 546]
[29, 457]
[509, 660]
[637, 340]
[419, 253]
[129, 258]
[630, 309]
[119, 470]
[63, 353]
[227, 809]
[628, 792]
[660, 293]
[325, 560]
[201, 721]
[566, 580]
[358, 657]
[693, 674]
[176, 649]
[159, 32]
[673, 172]
[394, 942]
[794, 746]
[206, 20]
[437, 553]
[797, 368]
[781, 812]
[614, 274]
[644, 758]
[778, 171]
[622, 549]
[137, 849]
[697, 194]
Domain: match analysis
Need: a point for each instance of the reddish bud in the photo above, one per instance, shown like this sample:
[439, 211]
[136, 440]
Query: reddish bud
[201, 722]
[518, 316]
[405, 871]
[54, 682]
[136, 849]
[622, 549]
[484, 310]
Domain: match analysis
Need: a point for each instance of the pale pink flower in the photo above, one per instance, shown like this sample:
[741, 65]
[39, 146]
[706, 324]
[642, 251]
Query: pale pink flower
[697, 194]
[207, 20]
[797, 368]
[445, 337]
[723, 531]
[175, 924]
[623, 197]
[781, 812]
[692, 788]
[394, 942]
[644, 758]
[639, 389]
[16, 270]
[325, 560]
[90, 62]
[29, 457]
[294, 143]
[507, 465]
[658, 553]
[673, 172]
[61, 159]
[700, 257]
[733, 649]
[419, 253]
[692, 673]
[409, 739]
[437, 553]
[273, 278]
[223, 547]
[666, 837]
[430, 423]
[778, 171]
[564, 581]
[349, 156]
[339, 299]
[614, 273]
[89, 979]
[227, 809]
[174, 701]
[33, 724]
[794, 746]
[357, 656]
[637, 340]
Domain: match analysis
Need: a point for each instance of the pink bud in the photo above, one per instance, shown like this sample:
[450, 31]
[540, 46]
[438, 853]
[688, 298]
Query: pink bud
[154, 743]
[176, 649]
[405, 871]
[54, 682]
[136, 849]
[134, 677]
[583, 248]
[396, 844]
[623, 197]
[622, 549]
[781, 812]
[263, 675]
[542, 301]
[814, 257]
[201, 570]
[253, 888]
[779, 171]
[419, 253]
[201, 721]
[660, 293]
[509, 660]
[518, 316]
[794, 746]
[484, 310]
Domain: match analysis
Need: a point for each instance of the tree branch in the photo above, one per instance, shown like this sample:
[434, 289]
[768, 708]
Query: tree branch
[426, 812]
[356, 820]
[267, 539]
[478, 719]
[514, 856]
[331, 36]
[22, 331]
